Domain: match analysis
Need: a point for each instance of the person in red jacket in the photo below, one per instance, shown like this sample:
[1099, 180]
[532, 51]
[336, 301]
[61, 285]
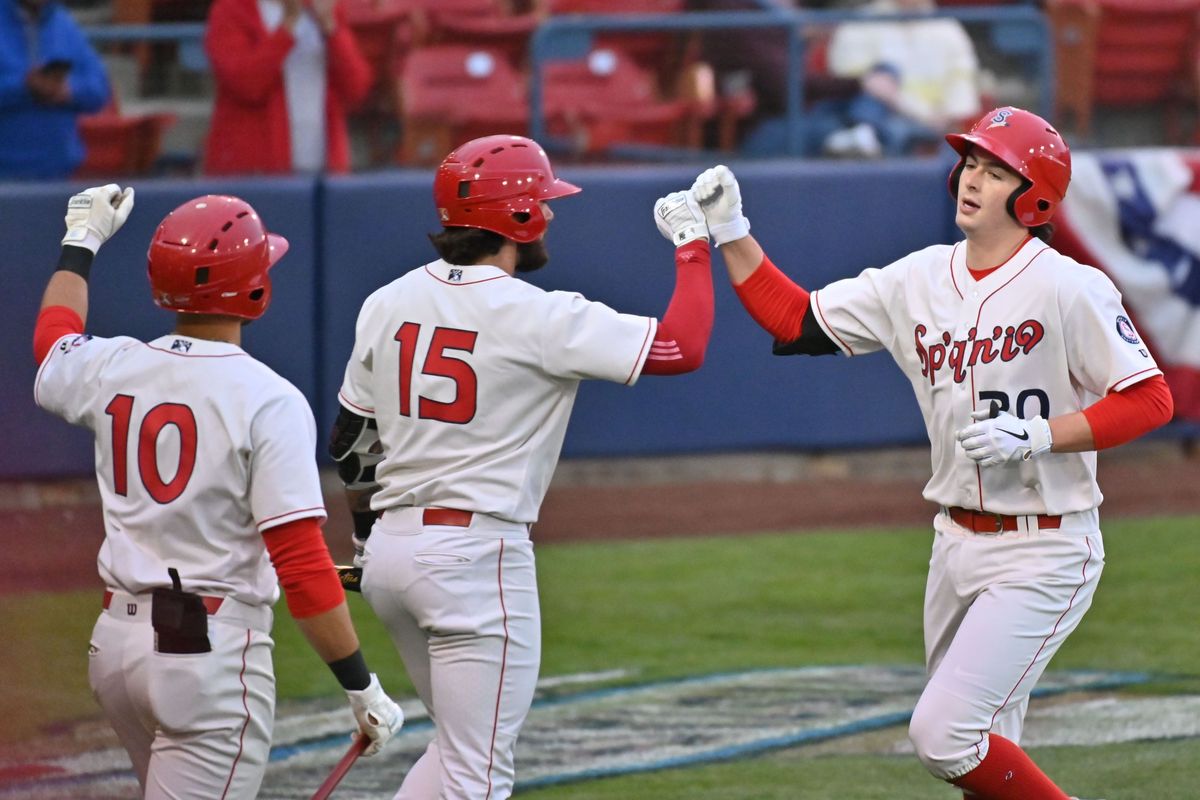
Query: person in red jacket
[287, 72]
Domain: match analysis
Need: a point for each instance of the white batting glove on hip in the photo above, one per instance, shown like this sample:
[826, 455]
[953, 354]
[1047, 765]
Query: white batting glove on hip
[360, 549]
[1003, 438]
[720, 198]
[95, 214]
[377, 715]
[679, 218]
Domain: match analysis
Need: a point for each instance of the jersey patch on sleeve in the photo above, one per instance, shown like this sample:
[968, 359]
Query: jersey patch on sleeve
[74, 342]
[1126, 331]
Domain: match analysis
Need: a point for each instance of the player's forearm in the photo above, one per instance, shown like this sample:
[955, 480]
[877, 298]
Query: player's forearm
[331, 633]
[742, 257]
[682, 336]
[68, 286]
[1071, 433]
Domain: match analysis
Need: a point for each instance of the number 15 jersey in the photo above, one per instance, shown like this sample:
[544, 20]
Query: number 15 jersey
[471, 374]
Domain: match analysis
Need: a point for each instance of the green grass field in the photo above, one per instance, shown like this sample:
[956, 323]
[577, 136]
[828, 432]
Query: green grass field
[678, 607]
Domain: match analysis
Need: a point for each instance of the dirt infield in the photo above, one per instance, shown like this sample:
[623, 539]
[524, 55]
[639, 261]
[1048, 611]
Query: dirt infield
[50, 531]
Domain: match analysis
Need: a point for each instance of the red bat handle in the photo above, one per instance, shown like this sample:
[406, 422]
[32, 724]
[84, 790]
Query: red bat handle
[342, 767]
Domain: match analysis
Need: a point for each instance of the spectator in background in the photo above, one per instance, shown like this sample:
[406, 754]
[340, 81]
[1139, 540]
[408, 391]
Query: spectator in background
[287, 72]
[918, 81]
[49, 74]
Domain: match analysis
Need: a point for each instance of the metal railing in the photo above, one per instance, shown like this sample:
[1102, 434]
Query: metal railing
[1014, 29]
[1020, 30]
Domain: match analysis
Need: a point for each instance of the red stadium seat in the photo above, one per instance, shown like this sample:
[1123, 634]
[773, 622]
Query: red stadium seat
[116, 144]
[1124, 54]
[490, 24]
[664, 53]
[449, 94]
[607, 98]
[616, 6]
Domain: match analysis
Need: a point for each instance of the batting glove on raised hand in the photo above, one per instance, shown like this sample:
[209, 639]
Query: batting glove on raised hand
[1003, 438]
[679, 218]
[720, 198]
[95, 214]
[377, 715]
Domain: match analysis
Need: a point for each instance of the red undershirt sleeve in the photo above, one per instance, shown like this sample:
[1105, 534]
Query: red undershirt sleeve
[304, 566]
[53, 323]
[774, 300]
[682, 336]
[1123, 416]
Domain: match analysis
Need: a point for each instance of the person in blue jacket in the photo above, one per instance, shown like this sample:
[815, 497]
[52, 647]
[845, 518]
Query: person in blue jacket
[49, 74]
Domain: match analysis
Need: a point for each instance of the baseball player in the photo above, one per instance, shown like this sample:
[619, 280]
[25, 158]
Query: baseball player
[204, 458]
[1024, 363]
[453, 410]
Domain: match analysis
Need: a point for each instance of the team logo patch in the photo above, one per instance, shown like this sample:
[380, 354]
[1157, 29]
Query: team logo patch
[71, 344]
[456, 275]
[181, 345]
[1000, 120]
[1125, 329]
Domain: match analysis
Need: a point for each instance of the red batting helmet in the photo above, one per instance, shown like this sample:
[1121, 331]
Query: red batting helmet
[1032, 148]
[496, 183]
[211, 256]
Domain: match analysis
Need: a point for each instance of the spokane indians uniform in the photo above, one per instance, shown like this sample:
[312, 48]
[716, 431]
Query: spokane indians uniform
[1041, 335]
[199, 448]
[471, 374]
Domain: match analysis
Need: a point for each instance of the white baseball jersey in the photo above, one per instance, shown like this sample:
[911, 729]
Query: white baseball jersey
[199, 448]
[471, 374]
[1042, 335]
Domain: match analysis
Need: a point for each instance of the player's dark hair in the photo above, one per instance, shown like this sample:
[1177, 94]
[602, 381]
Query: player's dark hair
[1045, 231]
[466, 246]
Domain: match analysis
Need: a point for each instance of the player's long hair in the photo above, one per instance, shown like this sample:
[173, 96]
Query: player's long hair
[1045, 231]
[466, 246]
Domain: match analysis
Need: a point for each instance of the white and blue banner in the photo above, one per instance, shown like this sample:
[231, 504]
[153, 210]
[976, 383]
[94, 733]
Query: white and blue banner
[1136, 215]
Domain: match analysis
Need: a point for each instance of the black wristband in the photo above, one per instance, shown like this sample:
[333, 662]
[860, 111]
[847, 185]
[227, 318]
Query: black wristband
[363, 522]
[351, 672]
[76, 259]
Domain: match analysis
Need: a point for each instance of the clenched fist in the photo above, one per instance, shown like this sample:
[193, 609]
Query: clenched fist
[679, 218]
[95, 214]
[720, 198]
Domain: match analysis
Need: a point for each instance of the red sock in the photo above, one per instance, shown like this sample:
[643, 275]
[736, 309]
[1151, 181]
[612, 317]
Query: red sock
[1006, 773]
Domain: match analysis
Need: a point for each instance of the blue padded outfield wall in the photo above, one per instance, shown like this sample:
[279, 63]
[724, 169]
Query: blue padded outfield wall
[819, 221]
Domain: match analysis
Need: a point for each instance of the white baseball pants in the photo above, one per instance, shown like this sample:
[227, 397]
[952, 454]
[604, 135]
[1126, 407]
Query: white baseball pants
[461, 606]
[196, 726]
[997, 608]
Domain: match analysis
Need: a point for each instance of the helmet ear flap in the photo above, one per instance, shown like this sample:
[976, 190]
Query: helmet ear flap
[955, 176]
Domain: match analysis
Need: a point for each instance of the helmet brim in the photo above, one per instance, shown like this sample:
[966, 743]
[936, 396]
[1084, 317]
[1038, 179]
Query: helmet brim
[559, 188]
[277, 246]
[963, 142]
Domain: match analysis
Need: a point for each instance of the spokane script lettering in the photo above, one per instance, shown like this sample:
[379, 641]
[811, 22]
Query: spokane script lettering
[1005, 343]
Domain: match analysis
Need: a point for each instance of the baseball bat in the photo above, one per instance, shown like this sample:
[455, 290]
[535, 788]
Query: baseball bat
[351, 577]
[343, 766]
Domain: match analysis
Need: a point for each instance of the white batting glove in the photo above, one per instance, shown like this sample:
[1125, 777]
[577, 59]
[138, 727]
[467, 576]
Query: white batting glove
[377, 715]
[95, 214]
[1003, 438]
[360, 547]
[679, 218]
[721, 200]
